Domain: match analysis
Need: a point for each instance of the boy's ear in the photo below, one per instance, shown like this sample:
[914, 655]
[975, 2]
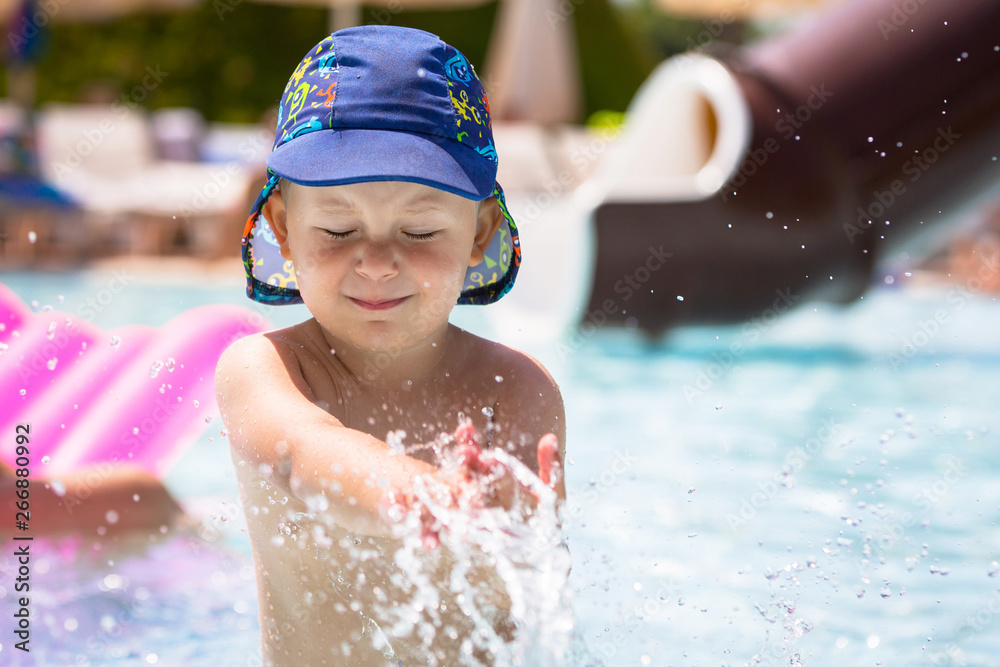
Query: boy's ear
[487, 223]
[277, 215]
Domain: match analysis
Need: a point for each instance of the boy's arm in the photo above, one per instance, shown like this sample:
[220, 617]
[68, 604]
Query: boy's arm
[274, 426]
[530, 407]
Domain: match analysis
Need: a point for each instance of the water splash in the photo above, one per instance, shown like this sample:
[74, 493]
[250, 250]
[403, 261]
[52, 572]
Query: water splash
[494, 580]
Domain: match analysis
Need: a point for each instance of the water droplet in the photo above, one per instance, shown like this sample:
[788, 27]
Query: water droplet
[154, 370]
[111, 517]
[994, 569]
[170, 365]
[135, 497]
[488, 412]
[58, 487]
[23, 392]
[871, 139]
[208, 419]
[51, 363]
[115, 342]
[680, 298]
[195, 402]
[395, 441]
[769, 215]
[50, 334]
[499, 379]
[32, 237]
[46, 459]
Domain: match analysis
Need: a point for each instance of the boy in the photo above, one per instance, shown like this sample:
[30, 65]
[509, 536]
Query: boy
[381, 212]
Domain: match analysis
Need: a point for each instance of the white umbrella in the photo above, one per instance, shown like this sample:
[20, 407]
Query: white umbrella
[532, 72]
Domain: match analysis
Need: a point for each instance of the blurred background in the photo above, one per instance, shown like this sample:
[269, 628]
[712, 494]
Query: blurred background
[119, 138]
[762, 258]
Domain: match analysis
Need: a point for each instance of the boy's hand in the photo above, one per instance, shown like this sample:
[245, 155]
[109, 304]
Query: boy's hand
[495, 482]
[477, 479]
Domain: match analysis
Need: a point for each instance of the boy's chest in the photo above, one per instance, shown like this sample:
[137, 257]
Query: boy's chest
[415, 415]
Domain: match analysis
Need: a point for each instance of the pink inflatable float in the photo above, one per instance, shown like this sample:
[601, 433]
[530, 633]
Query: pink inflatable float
[136, 395]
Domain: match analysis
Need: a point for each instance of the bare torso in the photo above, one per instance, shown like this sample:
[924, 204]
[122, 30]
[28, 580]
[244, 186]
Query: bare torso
[323, 592]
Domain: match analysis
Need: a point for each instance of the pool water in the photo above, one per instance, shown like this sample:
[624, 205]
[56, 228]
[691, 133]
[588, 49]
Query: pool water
[816, 489]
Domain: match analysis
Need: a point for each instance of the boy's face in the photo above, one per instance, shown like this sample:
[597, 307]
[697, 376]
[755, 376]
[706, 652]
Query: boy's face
[381, 264]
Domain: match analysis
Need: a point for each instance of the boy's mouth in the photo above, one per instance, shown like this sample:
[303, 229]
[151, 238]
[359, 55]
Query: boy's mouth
[378, 305]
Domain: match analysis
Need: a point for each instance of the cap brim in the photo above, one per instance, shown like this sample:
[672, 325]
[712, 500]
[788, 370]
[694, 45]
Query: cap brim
[339, 157]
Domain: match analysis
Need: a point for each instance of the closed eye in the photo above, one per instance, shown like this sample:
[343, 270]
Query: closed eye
[340, 236]
[424, 236]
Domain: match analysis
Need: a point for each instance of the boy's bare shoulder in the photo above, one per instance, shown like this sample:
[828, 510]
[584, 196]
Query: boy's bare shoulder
[505, 362]
[261, 357]
[529, 403]
[261, 346]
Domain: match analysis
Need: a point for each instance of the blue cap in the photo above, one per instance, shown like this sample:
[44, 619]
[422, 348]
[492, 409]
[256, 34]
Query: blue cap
[383, 103]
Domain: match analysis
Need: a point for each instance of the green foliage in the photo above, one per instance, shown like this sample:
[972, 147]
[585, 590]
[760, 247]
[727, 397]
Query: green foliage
[467, 29]
[230, 59]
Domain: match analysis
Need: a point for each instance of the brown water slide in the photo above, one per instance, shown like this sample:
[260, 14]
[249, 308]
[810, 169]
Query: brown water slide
[868, 125]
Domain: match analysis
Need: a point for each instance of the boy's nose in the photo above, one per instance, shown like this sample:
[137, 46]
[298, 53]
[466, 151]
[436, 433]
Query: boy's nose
[377, 261]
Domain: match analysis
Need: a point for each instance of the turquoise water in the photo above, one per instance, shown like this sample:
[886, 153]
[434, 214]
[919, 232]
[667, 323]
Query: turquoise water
[813, 489]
